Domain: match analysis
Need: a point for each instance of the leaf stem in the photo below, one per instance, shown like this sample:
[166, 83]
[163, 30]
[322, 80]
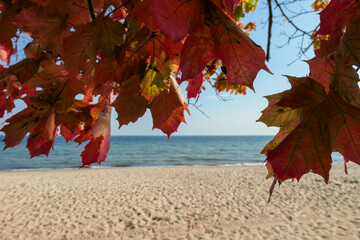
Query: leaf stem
[91, 9]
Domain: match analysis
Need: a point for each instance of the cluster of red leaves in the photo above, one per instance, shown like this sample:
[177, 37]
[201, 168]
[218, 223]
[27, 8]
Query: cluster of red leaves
[320, 114]
[134, 51]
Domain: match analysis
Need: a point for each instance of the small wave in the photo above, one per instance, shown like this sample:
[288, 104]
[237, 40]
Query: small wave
[171, 160]
[200, 159]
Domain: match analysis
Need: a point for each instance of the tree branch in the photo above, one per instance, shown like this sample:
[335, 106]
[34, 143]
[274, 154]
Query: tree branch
[269, 31]
[91, 9]
[198, 108]
[289, 20]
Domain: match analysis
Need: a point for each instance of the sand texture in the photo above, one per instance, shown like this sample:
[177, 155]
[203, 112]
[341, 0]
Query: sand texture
[177, 203]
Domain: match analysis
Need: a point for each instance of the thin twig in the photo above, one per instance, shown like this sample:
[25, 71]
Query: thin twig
[91, 9]
[301, 14]
[289, 20]
[302, 52]
[222, 98]
[269, 31]
[198, 108]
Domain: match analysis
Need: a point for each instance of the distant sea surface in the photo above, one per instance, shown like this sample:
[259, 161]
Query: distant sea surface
[146, 151]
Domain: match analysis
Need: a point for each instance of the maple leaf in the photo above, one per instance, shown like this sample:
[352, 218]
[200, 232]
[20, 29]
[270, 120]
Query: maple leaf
[195, 86]
[156, 78]
[336, 16]
[349, 47]
[198, 50]
[99, 135]
[345, 84]
[130, 57]
[19, 125]
[344, 124]
[323, 71]
[241, 56]
[325, 106]
[50, 23]
[82, 46]
[306, 147]
[9, 91]
[41, 138]
[24, 70]
[57, 85]
[278, 116]
[168, 108]
[40, 123]
[130, 105]
[343, 79]
[324, 123]
[226, 41]
[172, 18]
[106, 72]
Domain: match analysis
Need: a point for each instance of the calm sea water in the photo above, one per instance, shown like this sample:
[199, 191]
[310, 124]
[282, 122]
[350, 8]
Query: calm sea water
[128, 151]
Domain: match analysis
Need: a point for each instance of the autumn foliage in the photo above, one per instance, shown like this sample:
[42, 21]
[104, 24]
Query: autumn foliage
[132, 55]
[320, 114]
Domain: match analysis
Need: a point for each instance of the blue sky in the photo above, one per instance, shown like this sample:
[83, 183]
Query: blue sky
[238, 116]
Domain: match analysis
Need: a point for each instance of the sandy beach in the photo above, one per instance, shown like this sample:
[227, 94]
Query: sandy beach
[224, 202]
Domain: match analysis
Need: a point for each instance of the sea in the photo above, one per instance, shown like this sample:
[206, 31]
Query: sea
[147, 151]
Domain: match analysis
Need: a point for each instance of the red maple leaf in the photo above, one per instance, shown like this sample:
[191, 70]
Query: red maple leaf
[336, 16]
[224, 40]
[326, 124]
[99, 135]
[130, 105]
[323, 71]
[349, 45]
[195, 86]
[172, 18]
[11, 85]
[167, 109]
[49, 23]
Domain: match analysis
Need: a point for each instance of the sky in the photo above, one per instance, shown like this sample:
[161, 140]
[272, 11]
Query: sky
[238, 115]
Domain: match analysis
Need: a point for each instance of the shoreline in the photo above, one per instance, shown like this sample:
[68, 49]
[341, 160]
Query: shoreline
[129, 166]
[94, 166]
[205, 202]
